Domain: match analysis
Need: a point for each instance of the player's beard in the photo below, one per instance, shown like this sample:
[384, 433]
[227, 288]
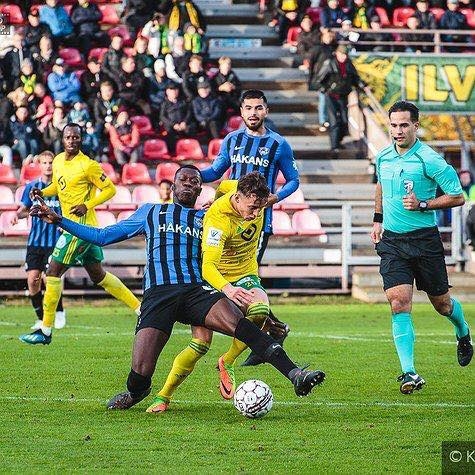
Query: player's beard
[256, 126]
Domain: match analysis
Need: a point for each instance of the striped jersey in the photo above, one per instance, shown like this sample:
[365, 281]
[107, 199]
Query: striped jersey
[41, 234]
[267, 154]
[173, 236]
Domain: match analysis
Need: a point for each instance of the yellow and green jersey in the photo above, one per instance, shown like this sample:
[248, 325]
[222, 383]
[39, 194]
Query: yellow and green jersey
[229, 246]
[76, 182]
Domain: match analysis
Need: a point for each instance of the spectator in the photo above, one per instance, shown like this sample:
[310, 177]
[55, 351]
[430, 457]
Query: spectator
[64, 85]
[156, 86]
[34, 30]
[45, 58]
[44, 107]
[137, 13]
[27, 78]
[111, 62]
[347, 35]
[336, 79]
[11, 62]
[90, 142]
[6, 153]
[183, 12]
[177, 61]
[90, 81]
[176, 116]
[24, 133]
[156, 30]
[16, 98]
[319, 54]
[308, 38]
[131, 87]
[125, 138]
[192, 39]
[207, 110]
[52, 134]
[85, 16]
[143, 60]
[360, 14]
[468, 185]
[332, 15]
[56, 17]
[228, 85]
[413, 25]
[453, 19]
[288, 14]
[165, 192]
[105, 107]
[79, 114]
[379, 37]
[192, 76]
[426, 18]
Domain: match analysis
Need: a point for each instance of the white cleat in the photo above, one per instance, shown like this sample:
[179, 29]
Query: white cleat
[60, 320]
[37, 325]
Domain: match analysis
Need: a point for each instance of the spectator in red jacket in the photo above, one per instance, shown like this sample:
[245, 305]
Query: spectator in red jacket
[124, 138]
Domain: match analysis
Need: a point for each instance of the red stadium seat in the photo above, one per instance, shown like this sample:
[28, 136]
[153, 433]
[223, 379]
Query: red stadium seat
[7, 200]
[307, 223]
[124, 215]
[314, 14]
[12, 14]
[29, 172]
[18, 193]
[145, 194]
[20, 229]
[166, 171]
[234, 123]
[207, 194]
[293, 35]
[469, 15]
[189, 149]
[110, 172]
[144, 125]
[155, 149]
[72, 57]
[213, 148]
[383, 16]
[105, 218]
[401, 15]
[109, 15]
[97, 53]
[295, 201]
[6, 175]
[123, 31]
[135, 173]
[281, 224]
[122, 200]
[437, 12]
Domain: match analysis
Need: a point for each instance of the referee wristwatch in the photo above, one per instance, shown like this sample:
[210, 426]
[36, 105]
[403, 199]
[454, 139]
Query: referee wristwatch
[423, 205]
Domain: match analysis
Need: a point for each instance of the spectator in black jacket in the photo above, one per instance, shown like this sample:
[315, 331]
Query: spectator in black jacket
[192, 76]
[156, 87]
[111, 62]
[12, 60]
[379, 37]
[332, 15]
[85, 16]
[207, 109]
[137, 13]
[426, 18]
[131, 87]
[228, 85]
[453, 19]
[91, 80]
[24, 133]
[105, 107]
[308, 38]
[176, 116]
[336, 79]
[45, 58]
[34, 30]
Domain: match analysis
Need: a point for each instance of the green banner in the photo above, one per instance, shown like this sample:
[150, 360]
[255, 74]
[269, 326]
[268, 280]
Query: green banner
[434, 83]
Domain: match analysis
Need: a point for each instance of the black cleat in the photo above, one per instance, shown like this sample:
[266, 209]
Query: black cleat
[254, 359]
[126, 400]
[464, 350]
[410, 382]
[306, 380]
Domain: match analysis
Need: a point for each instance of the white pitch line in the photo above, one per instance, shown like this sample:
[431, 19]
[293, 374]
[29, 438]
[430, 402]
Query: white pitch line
[344, 404]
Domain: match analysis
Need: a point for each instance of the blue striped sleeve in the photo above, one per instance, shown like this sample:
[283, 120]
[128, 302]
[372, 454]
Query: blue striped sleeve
[221, 163]
[25, 197]
[126, 229]
[289, 169]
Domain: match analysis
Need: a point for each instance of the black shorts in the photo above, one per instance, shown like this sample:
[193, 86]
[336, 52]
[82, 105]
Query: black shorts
[37, 258]
[163, 305]
[416, 255]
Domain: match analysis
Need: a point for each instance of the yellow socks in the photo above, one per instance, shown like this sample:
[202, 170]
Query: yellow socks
[114, 286]
[183, 365]
[50, 302]
[256, 312]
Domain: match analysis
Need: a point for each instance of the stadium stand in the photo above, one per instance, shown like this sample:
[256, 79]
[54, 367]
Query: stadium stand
[166, 171]
[155, 149]
[145, 194]
[22, 228]
[105, 218]
[282, 224]
[110, 172]
[213, 148]
[135, 174]
[29, 172]
[6, 175]
[189, 149]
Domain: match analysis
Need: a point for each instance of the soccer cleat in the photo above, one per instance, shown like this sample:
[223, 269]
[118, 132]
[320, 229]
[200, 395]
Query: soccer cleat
[60, 320]
[464, 350]
[253, 359]
[227, 381]
[126, 400]
[36, 338]
[159, 404]
[37, 325]
[306, 380]
[410, 382]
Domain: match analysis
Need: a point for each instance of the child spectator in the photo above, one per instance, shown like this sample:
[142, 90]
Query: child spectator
[228, 85]
[192, 39]
[165, 192]
[24, 133]
[79, 114]
[90, 141]
[192, 76]
[207, 109]
[360, 14]
[380, 37]
[156, 30]
[11, 62]
[113, 56]
[27, 78]
[56, 17]
[143, 60]
[124, 138]
[64, 85]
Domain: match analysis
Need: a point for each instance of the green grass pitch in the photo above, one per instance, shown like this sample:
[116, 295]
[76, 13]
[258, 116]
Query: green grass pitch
[54, 417]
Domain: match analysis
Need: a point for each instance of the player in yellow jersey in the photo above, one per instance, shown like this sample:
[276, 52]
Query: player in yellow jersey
[231, 231]
[76, 178]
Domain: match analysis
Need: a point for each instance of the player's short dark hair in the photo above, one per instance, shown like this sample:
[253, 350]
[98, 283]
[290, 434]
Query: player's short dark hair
[253, 183]
[253, 94]
[72, 124]
[403, 106]
[192, 167]
[168, 182]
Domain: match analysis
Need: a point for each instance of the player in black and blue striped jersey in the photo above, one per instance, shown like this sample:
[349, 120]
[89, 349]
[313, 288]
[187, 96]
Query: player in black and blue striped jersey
[174, 289]
[257, 148]
[41, 241]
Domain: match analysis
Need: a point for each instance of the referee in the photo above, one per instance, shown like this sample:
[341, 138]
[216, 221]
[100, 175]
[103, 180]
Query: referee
[410, 247]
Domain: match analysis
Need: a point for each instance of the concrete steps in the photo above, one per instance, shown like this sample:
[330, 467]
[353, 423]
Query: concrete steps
[335, 171]
[264, 33]
[220, 14]
[290, 100]
[342, 192]
[272, 78]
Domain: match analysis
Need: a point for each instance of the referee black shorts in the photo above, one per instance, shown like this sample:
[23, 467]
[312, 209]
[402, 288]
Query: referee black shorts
[163, 305]
[414, 256]
[37, 258]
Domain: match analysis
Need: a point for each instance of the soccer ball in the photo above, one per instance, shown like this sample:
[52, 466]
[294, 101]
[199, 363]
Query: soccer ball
[253, 399]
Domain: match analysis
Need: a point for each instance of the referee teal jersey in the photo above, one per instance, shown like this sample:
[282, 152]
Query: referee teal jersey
[420, 170]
